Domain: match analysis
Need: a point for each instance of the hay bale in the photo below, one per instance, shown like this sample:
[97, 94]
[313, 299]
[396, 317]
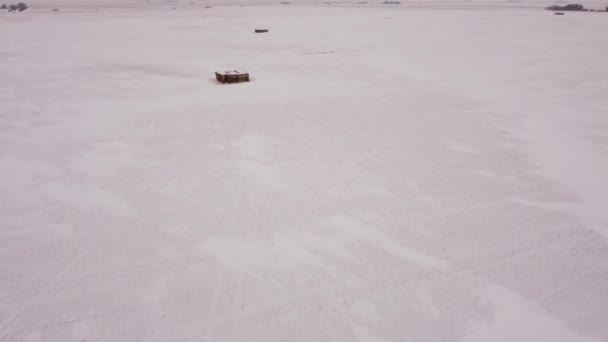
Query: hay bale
[232, 76]
[261, 30]
[559, 13]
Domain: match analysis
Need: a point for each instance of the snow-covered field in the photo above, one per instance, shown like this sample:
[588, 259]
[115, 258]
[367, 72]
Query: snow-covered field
[392, 173]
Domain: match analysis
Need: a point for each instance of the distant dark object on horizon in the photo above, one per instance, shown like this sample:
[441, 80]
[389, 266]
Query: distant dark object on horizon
[559, 13]
[261, 30]
[3, 6]
[391, 2]
[285, 2]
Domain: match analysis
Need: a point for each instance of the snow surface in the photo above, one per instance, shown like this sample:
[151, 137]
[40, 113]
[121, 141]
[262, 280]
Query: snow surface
[391, 173]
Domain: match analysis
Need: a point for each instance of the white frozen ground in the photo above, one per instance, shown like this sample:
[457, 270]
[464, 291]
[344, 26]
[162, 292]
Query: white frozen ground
[391, 174]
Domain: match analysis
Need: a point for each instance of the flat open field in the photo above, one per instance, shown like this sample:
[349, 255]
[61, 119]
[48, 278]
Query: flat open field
[391, 173]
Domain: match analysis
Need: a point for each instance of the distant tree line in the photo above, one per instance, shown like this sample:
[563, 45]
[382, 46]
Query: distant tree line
[570, 7]
[22, 6]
